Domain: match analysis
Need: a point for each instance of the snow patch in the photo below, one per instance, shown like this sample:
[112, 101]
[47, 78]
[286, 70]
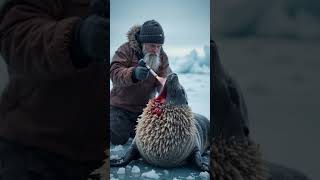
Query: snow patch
[204, 175]
[121, 171]
[190, 178]
[151, 174]
[116, 156]
[166, 172]
[135, 169]
[117, 148]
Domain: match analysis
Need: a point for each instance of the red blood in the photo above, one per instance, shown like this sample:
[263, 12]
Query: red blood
[158, 102]
[157, 111]
[162, 96]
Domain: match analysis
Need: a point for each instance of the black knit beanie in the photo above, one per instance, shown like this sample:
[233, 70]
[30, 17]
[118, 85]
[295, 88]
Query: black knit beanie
[151, 32]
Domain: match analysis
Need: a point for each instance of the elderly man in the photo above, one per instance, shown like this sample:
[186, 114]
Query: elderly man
[133, 84]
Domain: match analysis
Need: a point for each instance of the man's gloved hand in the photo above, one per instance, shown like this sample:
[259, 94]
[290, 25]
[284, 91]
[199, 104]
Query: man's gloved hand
[141, 72]
[91, 35]
[142, 63]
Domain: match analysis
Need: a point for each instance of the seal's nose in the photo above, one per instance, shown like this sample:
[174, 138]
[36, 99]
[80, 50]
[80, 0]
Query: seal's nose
[172, 76]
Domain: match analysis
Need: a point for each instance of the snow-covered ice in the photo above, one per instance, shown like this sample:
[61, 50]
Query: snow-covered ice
[151, 174]
[190, 178]
[121, 171]
[117, 148]
[114, 157]
[166, 172]
[135, 169]
[204, 175]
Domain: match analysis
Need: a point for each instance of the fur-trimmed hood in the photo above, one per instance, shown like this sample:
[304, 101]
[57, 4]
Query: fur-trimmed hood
[121, 74]
[132, 38]
[133, 41]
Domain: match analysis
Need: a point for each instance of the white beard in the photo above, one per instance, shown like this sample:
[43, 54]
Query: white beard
[152, 60]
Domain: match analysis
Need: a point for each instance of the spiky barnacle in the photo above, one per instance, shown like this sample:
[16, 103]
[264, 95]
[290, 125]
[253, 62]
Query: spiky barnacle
[167, 139]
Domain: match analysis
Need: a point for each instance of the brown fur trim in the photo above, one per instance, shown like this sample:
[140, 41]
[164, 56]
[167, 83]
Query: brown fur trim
[237, 160]
[134, 44]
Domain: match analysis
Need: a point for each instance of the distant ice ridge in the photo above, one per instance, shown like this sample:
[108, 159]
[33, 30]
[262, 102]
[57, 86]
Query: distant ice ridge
[275, 18]
[192, 62]
[196, 60]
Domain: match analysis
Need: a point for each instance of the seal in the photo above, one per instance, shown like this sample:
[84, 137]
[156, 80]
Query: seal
[234, 155]
[168, 133]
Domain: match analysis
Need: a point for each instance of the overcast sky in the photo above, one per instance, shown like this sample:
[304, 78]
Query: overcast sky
[186, 23]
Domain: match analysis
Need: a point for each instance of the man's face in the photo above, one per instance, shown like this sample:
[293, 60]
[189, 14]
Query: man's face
[151, 53]
[152, 48]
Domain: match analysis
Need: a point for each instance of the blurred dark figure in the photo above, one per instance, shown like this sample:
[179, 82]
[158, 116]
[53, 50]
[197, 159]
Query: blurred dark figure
[272, 49]
[53, 120]
[234, 155]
